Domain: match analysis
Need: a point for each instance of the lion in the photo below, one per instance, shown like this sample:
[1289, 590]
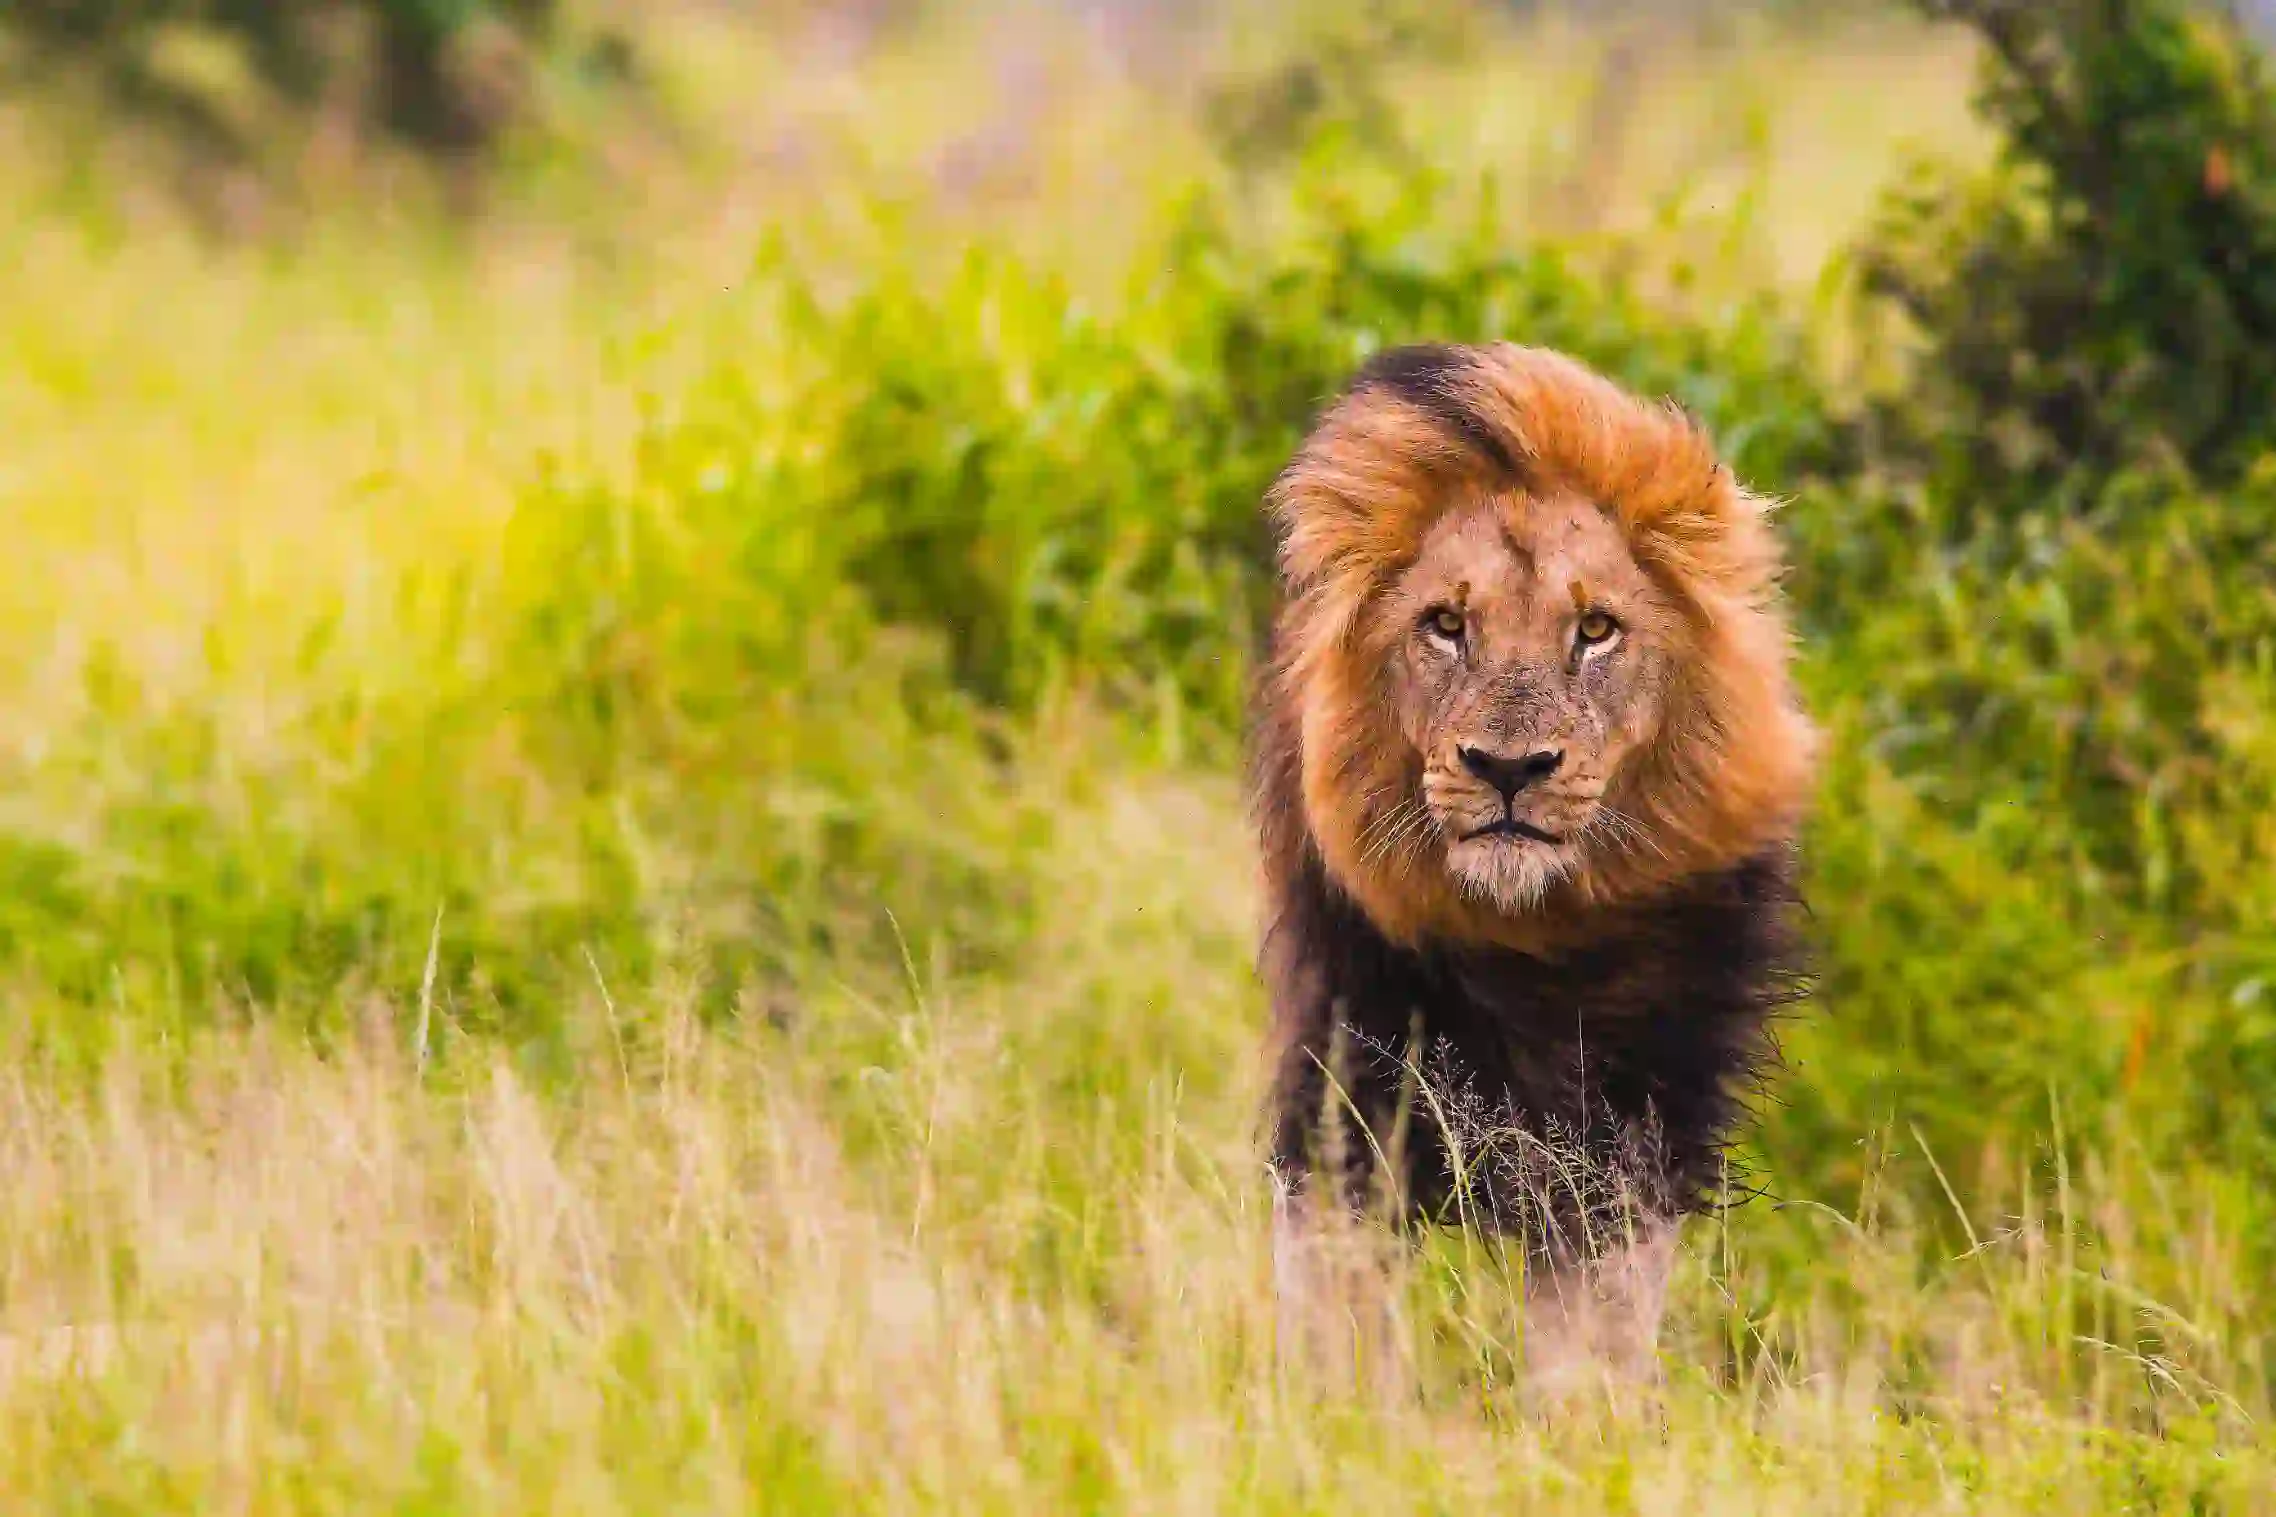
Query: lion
[1528, 770]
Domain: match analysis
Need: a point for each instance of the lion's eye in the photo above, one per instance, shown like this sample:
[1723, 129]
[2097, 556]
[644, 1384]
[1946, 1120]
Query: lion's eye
[1446, 622]
[1597, 627]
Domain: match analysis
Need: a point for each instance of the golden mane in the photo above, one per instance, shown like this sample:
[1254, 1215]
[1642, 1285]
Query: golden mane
[1422, 430]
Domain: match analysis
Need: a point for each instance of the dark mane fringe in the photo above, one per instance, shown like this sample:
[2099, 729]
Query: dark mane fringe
[1429, 377]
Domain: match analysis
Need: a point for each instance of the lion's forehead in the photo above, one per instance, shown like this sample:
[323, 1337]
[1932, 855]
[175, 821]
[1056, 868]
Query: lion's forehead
[1519, 561]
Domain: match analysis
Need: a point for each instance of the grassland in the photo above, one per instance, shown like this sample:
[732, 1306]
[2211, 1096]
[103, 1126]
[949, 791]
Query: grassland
[621, 883]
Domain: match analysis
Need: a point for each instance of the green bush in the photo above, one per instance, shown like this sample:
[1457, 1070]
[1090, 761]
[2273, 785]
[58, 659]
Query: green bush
[2105, 294]
[2041, 868]
[443, 75]
[2038, 596]
[2076, 469]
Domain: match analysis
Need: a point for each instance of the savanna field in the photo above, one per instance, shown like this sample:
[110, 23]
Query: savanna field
[623, 884]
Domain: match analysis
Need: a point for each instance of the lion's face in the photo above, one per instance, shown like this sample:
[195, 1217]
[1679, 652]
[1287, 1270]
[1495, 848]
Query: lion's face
[1532, 663]
[1527, 657]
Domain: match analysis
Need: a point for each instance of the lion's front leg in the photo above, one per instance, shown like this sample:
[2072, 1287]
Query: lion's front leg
[1337, 1314]
[1595, 1324]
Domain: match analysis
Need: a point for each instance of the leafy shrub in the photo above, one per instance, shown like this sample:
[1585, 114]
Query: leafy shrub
[2105, 294]
[2077, 463]
[444, 75]
[2038, 594]
[1327, 84]
[2041, 865]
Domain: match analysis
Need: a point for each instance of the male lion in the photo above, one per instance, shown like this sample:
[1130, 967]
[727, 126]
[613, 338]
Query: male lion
[1528, 768]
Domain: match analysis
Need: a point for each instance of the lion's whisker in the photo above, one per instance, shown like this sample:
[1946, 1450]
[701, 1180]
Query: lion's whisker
[1414, 825]
[1384, 819]
[1387, 830]
[1411, 843]
[1625, 828]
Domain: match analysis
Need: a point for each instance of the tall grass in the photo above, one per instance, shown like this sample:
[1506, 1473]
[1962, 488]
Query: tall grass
[620, 880]
[989, 1249]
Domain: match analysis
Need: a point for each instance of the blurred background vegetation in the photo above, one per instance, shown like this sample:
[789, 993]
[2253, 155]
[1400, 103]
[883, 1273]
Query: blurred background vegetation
[757, 506]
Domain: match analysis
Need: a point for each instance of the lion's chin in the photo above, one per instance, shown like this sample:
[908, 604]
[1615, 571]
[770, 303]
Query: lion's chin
[1509, 872]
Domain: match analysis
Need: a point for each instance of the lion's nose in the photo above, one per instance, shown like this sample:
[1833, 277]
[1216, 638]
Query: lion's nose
[1510, 775]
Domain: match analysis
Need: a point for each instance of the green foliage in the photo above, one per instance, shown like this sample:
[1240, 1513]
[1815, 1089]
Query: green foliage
[2084, 452]
[2038, 591]
[1328, 82]
[2105, 294]
[443, 75]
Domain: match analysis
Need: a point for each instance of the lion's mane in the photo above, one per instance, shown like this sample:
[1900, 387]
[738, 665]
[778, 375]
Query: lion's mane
[1619, 1024]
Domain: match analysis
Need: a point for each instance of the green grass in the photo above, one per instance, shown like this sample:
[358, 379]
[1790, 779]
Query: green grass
[621, 876]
